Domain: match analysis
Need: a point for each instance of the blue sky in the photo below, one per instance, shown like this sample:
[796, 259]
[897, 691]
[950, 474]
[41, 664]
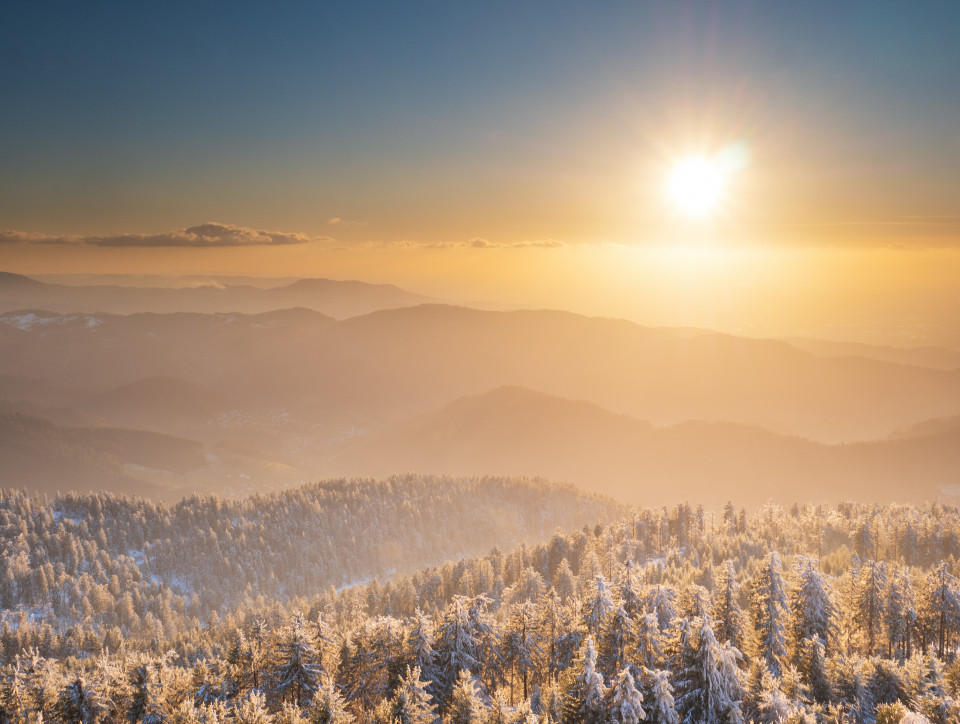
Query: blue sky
[436, 121]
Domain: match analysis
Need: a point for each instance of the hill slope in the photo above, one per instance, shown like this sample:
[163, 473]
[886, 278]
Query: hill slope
[337, 298]
[515, 430]
[368, 372]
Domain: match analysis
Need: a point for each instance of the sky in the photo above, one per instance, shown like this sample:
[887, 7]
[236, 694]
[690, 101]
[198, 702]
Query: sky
[477, 148]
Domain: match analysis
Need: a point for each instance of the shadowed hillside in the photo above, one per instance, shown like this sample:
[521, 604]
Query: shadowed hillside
[515, 430]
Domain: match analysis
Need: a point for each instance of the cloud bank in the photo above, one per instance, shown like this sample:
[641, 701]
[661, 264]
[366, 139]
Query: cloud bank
[209, 235]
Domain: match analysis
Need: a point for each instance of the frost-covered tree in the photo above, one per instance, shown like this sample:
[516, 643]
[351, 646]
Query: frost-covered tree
[901, 614]
[296, 672]
[418, 651]
[146, 704]
[729, 618]
[768, 603]
[521, 645]
[944, 604]
[77, 704]
[812, 604]
[583, 688]
[412, 703]
[252, 709]
[659, 703]
[871, 591]
[708, 688]
[649, 644]
[466, 707]
[623, 702]
[617, 641]
[328, 706]
[661, 603]
[812, 665]
[598, 608]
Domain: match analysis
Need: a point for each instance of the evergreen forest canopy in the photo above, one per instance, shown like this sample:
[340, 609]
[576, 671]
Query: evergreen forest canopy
[816, 614]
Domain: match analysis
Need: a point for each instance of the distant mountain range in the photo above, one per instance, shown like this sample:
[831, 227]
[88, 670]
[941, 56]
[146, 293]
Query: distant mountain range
[519, 430]
[295, 394]
[338, 299]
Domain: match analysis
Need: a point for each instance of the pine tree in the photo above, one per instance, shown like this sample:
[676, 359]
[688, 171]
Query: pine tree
[583, 689]
[296, 671]
[185, 713]
[649, 645]
[418, 652]
[14, 702]
[521, 649]
[659, 703]
[77, 704]
[813, 669]
[871, 592]
[811, 601]
[729, 619]
[252, 709]
[618, 639]
[945, 605]
[708, 683]
[145, 703]
[465, 705]
[768, 601]
[328, 706]
[660, 602]
[623, 703]
[901, 614]
[598, 608]
[412, 704]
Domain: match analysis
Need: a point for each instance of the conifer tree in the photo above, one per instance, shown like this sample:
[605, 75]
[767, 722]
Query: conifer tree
[945, 606]
[660, 602]
[583, 688]
[328, 706]
[768, 600]
[728, 617]
[871, 592]
[708, 683]
[465, 705]
[252, 709]
[623, 703]
[901, 614]
[811, 601]
[412, 703]
[146, 706]
[521, 648]
[296, 673]
[77, 704]
[418, 652]
[649, 646]
[659, 703]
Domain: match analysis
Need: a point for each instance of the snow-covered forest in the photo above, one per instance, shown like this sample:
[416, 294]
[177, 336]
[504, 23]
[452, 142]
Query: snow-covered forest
[813, 614]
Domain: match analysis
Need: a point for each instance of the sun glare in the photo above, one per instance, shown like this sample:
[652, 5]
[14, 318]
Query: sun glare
[696, 186]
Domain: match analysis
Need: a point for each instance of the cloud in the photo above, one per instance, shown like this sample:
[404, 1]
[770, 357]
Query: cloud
[209, 235]
[204, 235]
[480, 243]
[540, 243]
[19, 237]
[339, 221]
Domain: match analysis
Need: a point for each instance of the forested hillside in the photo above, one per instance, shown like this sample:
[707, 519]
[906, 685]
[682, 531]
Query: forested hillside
[819, 614]
[108, 567]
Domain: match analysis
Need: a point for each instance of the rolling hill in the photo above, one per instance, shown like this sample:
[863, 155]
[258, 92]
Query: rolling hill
[336, 298]
[515, 430]
[372, 371]
[44, 457]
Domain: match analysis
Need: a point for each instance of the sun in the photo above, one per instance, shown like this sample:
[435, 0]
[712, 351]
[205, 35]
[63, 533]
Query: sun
[697, 185]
